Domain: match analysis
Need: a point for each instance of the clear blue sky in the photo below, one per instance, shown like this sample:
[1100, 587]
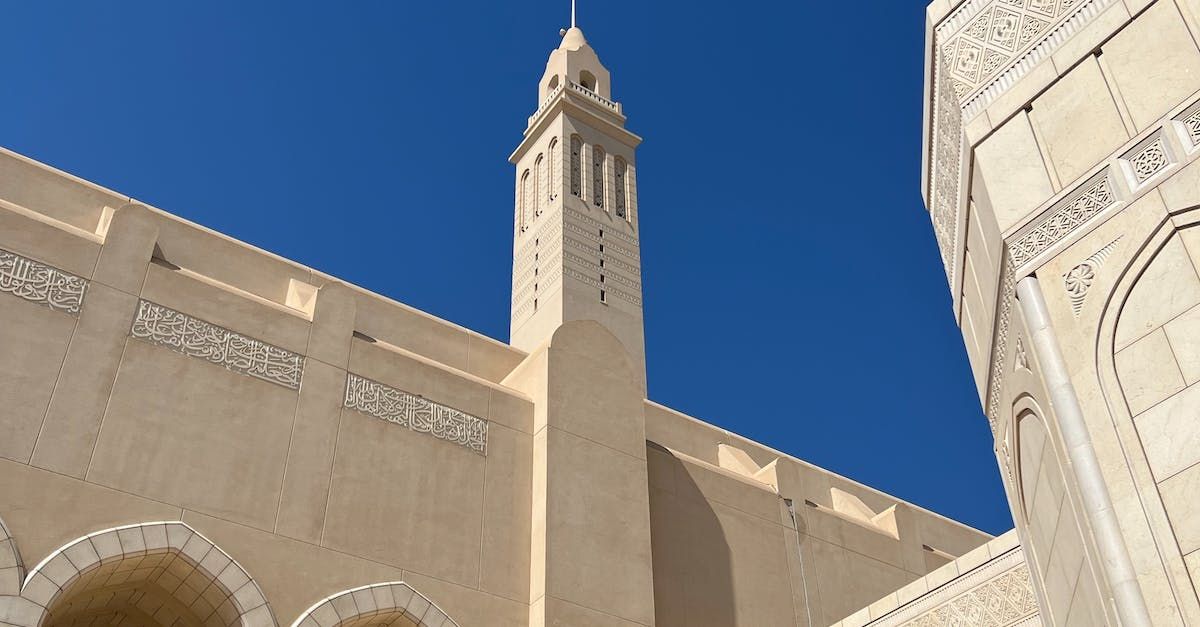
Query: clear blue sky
[793, 291]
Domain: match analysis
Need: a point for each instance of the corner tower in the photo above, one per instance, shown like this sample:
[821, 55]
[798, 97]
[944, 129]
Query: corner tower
[575, 240]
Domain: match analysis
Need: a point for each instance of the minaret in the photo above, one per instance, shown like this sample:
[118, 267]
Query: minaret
[575, 243]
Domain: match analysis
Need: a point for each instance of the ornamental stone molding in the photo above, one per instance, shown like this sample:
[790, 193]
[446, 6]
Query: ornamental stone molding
[415, 412]
[381, 604]
[154, 552]
[42, 284]
[1001, 602]
[998, 593]
[979, 50]
[233, 351]
[1000, 345]
[1079, 280]
[1127, 174]
[1063, 218]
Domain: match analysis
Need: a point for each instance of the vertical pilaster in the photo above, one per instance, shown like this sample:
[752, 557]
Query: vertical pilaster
[591, 561]
[89, 370]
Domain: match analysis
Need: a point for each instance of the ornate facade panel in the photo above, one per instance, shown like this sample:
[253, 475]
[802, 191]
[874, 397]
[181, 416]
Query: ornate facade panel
[1064, 218]
[1146, 160]
[997, 593]
[979, 50]
[1000, 344]
[1079, 279]
[1003, 601]
[39, 283]
[233, 351]
[416, 413]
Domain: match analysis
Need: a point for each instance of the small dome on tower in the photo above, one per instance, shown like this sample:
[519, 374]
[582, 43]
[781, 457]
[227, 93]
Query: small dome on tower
[573, 39]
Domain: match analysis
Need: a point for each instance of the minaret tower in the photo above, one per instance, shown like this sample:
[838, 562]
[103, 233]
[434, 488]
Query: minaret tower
[575, 241]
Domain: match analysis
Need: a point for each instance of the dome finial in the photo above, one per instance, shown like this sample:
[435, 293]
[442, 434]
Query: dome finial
[572, 13]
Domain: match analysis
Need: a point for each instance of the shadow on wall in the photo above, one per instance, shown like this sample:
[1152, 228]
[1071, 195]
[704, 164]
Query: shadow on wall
[693, 578]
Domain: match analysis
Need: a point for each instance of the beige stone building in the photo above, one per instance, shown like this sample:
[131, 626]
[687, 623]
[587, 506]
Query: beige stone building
[196, 432]
[1059, 173]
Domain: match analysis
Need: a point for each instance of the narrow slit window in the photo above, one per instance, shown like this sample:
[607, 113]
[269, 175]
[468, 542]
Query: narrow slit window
[523, 201]
[577, 166]
[598, 176]
[552, 182]
[619, 183]
[539, 180]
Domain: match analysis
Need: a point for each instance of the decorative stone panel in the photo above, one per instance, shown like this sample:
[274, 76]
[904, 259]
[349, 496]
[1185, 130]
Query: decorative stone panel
[1003, 601]
[997, 593]
[182, 333]
[979, 50]
[1000, 345]
[1146, 160]
[1064, 218]
[416, 413]
[39, 283]
[1188, 124]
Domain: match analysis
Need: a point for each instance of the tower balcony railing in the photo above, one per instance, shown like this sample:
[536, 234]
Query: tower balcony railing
[616, 108]
[610, 105]
[545, 104]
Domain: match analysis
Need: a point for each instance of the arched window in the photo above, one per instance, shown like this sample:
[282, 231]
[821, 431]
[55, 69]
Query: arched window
[577, 166]
[619, 183]
[553, 179]
[553, 83]
[539, 179]
[1031, 442]
[523, 203]
[598, 176]
[587, 80]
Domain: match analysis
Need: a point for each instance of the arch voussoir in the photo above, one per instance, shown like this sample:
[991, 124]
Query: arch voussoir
[381, 599]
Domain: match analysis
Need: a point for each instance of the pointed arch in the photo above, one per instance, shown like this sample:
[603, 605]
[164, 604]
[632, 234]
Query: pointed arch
[523, 202]
[149, 572]
[598, 176]
[393, 603]
[539, 181]
[577, 166]
[554, 178]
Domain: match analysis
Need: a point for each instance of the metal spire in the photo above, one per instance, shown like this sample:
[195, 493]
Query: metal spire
[572, 13]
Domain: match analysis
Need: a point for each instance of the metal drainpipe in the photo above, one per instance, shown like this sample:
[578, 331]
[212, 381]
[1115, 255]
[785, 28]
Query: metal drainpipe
[1098, 507]
[800, 553]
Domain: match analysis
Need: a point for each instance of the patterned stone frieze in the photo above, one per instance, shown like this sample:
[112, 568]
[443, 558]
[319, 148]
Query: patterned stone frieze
[1063, 218]
[1190, 121]
[609, 289]
[594, 236]
[576, 215]
[979, 50]
[39, 283]
[1001, 602]
[416, 413]
[190, 336]
[1000, 345]
[998, 593]
[1147, 159]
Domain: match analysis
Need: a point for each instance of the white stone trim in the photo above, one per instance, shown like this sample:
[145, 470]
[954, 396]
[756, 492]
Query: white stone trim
[415, 412]
[394, 597]
[233, 351]
[1006, 575]
[40, 283]
[55, 574]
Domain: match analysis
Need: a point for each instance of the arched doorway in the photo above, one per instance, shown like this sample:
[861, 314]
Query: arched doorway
[160, 574]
